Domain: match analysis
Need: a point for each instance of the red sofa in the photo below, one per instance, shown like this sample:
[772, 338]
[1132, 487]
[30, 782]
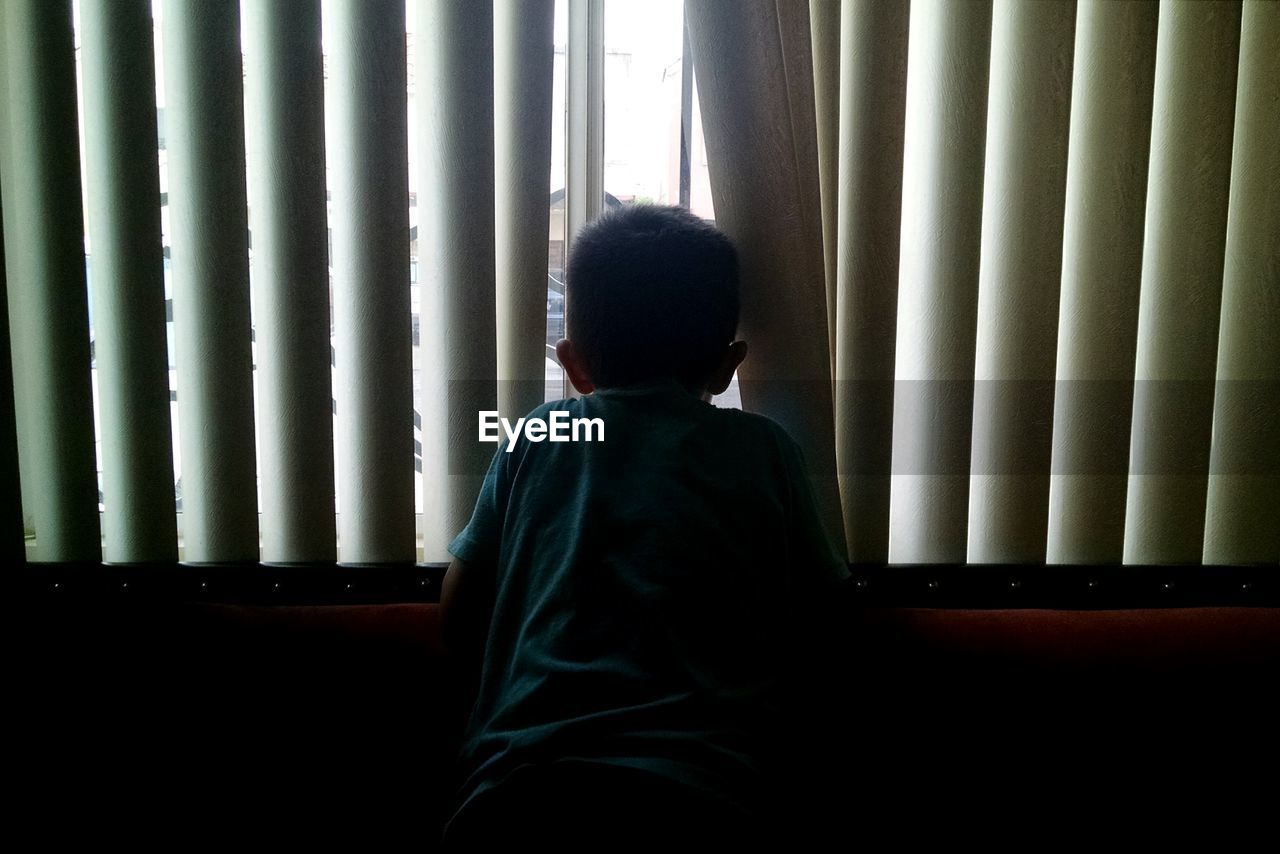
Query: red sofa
[932, 725]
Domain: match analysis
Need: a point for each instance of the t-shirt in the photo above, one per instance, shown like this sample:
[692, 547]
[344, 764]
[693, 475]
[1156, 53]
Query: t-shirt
[640, 587]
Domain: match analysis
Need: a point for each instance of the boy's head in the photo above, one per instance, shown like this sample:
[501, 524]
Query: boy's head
[652, 295]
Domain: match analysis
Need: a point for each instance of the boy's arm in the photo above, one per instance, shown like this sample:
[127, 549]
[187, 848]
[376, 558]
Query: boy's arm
[466, 605]
[817, 569]
[470, 585]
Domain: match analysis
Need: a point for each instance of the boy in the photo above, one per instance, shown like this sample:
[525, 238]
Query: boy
[628, 595]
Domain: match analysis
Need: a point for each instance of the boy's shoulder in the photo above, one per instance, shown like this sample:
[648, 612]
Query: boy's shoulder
[759, 427]
[762, 424]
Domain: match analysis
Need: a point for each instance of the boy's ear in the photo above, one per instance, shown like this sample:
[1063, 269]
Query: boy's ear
[573, 366]
[729, 361]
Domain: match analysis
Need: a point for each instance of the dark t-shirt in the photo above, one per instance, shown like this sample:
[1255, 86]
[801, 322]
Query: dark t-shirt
[640, 586]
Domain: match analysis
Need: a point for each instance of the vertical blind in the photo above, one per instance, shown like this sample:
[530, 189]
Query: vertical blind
[45, 278]
[1243, 515]
[1188, 184]
[948, 55]
[1021, 255]
[284, 94]
[522, 89]
[1057, 267]
[873, 80]
[456, 232]
[1104, 209]
[117, 56]
[1011, 269]
[209, 239]
[368, 138]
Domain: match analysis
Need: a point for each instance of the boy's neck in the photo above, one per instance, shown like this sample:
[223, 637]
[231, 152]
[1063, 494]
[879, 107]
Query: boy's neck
[665, 384]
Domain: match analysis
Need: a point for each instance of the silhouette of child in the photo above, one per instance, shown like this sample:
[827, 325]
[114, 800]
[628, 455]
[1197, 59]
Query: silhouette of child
[625, 596]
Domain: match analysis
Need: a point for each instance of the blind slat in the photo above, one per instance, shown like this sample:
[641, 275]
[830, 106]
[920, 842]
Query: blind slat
[123, 190]
[1243, 517]
[12, 550]
[938, 279]
[366, 113]
[523, 67]
[44, 256]
[873, 81]
[1101, 272]
[824, 35]
[753, 66]
[456, 242]
[1187, 194]
[284, 84]
[1026, 164]
[208, 234]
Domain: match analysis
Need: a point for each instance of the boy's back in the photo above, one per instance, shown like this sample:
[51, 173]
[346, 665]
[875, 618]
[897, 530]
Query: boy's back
[639, 583]
[632, 595]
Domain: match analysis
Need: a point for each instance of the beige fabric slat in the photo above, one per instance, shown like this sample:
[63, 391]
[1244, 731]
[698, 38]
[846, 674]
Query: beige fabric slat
[938, 279]
[873, 86]
[123, 189]
[1187, 194]
[284, 89]
[367, 142]
[1110, 138]
[1028, 114]
[456, 251]
[1243, 516]
[824, 31]
[12, 545]
[208, 215]
[755, 81]
[45, 272]
[523, 58]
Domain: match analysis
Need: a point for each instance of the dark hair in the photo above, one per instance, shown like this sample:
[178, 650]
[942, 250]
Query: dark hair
[652, 294]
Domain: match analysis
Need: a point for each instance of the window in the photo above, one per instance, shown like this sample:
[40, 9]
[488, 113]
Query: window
[654, 150]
